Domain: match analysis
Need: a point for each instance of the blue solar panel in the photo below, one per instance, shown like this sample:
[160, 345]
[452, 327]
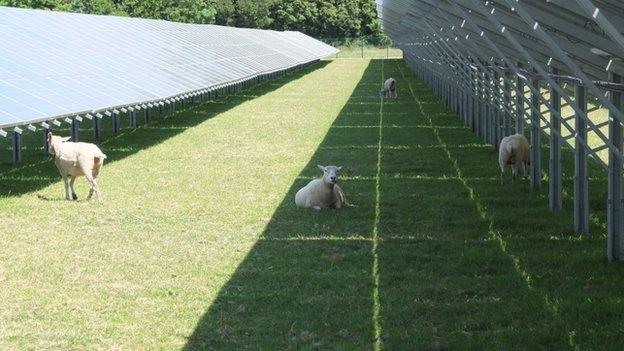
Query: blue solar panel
[55, 64]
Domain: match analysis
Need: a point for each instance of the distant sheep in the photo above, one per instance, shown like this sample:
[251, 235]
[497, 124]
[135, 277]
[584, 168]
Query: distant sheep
[322, 192]
[514, 150]
[388, 88]
[74, 160]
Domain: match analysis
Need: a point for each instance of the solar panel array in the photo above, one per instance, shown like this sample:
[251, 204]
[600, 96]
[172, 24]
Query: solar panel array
[534, 62]
[55, 64]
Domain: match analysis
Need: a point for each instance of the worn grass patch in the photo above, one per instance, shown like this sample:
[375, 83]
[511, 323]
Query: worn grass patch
[199, 245]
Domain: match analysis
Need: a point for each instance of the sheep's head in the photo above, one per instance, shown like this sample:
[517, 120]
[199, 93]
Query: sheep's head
[54, 140]
[330, 174]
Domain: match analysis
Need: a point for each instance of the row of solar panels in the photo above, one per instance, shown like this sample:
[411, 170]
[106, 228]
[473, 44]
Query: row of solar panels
[55, 64]
[576, 26]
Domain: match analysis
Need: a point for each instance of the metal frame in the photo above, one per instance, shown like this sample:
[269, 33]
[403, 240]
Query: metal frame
[494, 53]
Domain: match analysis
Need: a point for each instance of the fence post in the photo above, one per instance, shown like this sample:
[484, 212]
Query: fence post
[614, 210]
[581, 183]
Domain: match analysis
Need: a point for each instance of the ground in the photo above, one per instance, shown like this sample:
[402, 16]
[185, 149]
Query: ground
[198, 244]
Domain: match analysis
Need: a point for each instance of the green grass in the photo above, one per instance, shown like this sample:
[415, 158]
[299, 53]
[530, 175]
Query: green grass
[198, 244]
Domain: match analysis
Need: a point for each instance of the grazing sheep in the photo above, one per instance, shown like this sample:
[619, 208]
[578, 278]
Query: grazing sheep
[322, 192]
[74, 160]
[388, 88]
[514, 150]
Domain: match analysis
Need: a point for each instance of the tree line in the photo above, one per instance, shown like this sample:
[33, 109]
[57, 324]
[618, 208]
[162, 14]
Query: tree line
[318, 18]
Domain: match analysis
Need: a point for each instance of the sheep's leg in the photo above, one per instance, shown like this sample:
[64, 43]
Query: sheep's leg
[93, 187]
[502, 172]
[339, 197]
[71, 187]
[524, 171]
[97, 191]
[66, 183]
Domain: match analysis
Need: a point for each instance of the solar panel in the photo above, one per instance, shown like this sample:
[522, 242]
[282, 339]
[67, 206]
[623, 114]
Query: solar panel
[56, 64]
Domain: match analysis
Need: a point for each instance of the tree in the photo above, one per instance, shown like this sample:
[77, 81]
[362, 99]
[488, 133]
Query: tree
[318, 18]
[327, 18]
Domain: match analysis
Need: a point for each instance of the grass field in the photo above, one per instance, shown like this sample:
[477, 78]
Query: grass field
[198, 244]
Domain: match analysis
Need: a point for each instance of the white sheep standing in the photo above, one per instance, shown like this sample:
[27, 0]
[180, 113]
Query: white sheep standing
[322, 192]
[388, 88]
[514, 150]
[74, 160]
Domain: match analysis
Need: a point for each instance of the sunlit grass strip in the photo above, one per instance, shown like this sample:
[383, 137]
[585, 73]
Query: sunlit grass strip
[376, 303]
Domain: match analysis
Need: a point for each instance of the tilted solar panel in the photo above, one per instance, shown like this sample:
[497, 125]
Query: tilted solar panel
[55, 64]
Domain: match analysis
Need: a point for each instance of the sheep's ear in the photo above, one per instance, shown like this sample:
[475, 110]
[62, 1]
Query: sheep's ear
[338, 168]
[65, 139]
[321, 168]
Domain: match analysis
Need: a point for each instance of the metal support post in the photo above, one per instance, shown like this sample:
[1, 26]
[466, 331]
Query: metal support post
[96, 127]
[615, 218]
[507, 99]
[581, 179]
[536, 155]
[74, 130]
[116, 122]
[17, 146]
[555, 190]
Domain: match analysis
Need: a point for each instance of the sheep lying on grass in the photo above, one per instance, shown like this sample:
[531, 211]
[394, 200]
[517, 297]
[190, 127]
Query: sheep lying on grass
[322, 192]
[388, 88]
[74, 160]
[514, 150]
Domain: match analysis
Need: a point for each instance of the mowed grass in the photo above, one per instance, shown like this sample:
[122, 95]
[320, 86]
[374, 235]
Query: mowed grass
[198, 244]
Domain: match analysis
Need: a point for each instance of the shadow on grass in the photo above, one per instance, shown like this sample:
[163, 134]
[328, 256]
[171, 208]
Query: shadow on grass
[307, 281]
[463, 263]
[38, 170]
[575, 289]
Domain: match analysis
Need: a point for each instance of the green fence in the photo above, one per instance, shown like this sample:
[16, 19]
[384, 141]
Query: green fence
[364, 48]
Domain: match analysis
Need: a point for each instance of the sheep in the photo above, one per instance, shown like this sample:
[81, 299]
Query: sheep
[74, 160]
[322, 192]
[388, 88]
[514, 150]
